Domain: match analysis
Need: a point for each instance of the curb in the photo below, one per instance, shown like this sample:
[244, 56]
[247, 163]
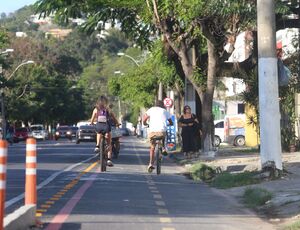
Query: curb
[21, 219]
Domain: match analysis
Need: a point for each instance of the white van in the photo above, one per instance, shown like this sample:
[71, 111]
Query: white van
[230, 130]
[219, 132]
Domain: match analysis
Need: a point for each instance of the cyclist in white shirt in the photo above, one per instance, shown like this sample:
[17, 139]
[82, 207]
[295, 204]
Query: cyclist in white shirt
[158, 118]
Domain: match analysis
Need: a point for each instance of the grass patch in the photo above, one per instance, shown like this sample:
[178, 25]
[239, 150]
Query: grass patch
[200, 171]
[227, 180]
[251, 150]
[254, 197]
[293, 226]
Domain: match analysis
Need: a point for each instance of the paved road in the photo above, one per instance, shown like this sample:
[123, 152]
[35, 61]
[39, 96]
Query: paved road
[127, 197]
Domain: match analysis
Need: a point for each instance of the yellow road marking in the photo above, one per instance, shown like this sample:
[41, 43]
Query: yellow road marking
[49, 202]
[157, 196]
[163, 211]
[160, 203]
[90, 167]
[41, 210]
[165, 220]
[57, 195]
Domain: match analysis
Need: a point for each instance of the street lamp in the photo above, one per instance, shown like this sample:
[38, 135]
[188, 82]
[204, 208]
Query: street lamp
[23, 63]
[126, 55]
[7, 51]
[2, 98]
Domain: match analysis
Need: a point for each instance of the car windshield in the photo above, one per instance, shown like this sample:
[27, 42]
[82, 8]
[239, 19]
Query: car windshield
[87, 127]
[21, 130]
[36, 128]
[63, 128]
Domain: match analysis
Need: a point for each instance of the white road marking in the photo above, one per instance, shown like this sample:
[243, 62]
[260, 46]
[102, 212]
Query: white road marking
[47, 181]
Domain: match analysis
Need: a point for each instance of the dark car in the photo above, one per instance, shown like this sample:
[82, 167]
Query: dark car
[21, 134]
[74, 130]
[86, 133]
[63, 132]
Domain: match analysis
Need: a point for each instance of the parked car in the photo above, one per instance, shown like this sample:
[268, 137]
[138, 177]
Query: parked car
[63, 131]
[21, 134]
[230, 130]
[86, 133]
[38, 132]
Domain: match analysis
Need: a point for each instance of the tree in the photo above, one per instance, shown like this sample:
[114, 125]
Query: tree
[189, 29]
[185, 26]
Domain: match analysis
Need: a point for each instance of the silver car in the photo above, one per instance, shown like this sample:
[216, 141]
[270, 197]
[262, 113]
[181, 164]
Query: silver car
[38, 132]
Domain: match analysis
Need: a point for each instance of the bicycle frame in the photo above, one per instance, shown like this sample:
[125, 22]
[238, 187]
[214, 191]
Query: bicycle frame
[103, 153]
[158, 153]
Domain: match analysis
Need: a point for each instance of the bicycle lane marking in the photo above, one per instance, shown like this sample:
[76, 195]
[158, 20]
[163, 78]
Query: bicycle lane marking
[57, 222]
[161, 206]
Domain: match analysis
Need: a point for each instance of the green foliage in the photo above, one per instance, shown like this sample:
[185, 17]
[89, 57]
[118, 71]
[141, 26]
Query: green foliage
[288, 113]
[228, 180]
[254, 197]
[4, 38]
[200, 171]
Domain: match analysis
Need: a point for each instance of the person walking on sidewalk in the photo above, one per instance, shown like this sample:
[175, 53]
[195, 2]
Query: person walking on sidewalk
[158, 118]
[102, 117]
[190, 131]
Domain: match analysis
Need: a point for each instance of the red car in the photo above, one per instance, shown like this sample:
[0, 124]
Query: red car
[21, 134]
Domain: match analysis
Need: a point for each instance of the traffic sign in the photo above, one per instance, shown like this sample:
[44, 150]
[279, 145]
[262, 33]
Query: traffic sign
[168, 102]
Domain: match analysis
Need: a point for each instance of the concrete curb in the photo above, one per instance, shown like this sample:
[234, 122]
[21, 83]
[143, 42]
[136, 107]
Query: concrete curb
[21, 219]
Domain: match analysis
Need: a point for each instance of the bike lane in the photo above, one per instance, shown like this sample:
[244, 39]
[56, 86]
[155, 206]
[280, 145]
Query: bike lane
[126, 197]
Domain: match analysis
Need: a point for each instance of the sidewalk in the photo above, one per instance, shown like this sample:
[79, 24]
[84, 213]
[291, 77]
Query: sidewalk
[284, 207]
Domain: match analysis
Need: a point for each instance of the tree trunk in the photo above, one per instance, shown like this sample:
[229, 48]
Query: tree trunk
[207, 101]
[205, 94]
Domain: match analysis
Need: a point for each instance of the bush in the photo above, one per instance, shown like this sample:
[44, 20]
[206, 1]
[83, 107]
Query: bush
[200, 171]
[227, 180]
[254, 197]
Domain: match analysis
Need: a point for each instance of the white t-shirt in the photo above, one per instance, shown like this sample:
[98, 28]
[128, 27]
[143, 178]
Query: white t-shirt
[158, 120]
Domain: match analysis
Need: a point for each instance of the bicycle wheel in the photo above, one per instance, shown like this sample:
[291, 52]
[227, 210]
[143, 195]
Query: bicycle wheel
[102, 162]
[158, 159]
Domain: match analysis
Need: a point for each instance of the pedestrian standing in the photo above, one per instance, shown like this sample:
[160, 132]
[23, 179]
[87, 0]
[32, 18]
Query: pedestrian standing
[190, 132]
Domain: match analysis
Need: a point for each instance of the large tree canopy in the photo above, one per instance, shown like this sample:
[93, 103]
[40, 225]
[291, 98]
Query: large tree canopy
[188, 29]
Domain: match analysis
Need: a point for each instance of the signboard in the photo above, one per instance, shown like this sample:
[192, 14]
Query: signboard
[171, 135]
[168, 102]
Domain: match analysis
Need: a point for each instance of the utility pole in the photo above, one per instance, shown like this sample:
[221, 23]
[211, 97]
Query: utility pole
[270, 138]
[160, 91]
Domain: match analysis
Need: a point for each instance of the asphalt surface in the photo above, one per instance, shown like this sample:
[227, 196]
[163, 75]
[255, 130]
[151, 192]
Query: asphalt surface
[126, 196]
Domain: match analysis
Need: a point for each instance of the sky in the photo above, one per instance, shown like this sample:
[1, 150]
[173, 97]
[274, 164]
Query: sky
[9, 6]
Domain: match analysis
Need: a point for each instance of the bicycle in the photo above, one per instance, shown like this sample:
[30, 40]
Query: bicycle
[103, 157]
[158, 152]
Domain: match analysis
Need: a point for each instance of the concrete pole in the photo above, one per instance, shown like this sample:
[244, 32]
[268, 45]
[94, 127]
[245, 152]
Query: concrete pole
[270, 138]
